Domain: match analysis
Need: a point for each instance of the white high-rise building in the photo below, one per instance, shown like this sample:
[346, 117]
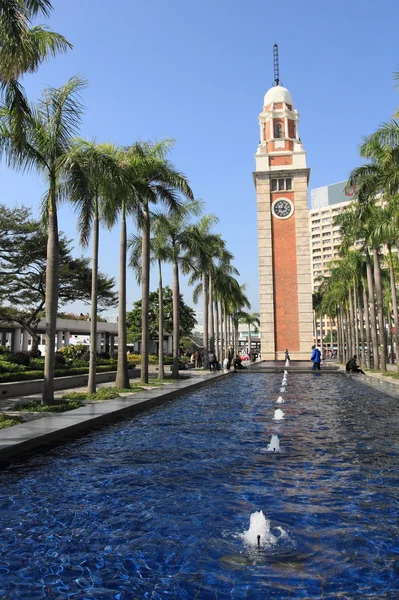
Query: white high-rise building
[325, 237]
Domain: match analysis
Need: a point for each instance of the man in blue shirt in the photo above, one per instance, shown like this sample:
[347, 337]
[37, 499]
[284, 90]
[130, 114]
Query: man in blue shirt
[316, 358]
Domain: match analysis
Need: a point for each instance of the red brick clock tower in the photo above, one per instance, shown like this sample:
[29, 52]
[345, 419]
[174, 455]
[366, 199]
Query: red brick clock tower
[281, 180]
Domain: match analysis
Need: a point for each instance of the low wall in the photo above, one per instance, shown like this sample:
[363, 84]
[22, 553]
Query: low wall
[35, 386]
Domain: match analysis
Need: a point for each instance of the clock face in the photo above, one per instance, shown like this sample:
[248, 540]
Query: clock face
[282, 209]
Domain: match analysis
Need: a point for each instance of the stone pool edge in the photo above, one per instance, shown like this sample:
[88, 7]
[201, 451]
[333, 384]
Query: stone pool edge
[19, 439]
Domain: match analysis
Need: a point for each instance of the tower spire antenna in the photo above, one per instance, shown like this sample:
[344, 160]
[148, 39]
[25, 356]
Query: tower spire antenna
[276, 65]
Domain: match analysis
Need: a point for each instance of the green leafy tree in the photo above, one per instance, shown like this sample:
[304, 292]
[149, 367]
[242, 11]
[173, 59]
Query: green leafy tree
[187, 315]
[23, 259]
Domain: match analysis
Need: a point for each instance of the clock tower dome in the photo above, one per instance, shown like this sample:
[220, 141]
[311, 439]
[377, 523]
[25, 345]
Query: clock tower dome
[281, 180]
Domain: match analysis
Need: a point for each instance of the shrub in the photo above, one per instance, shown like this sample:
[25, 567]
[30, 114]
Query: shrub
[59, 359]
[36, 364]
[73, 351]
[35, 353]
[20, 376]
[114, 355]
[4, 350]
[104, 355]
[57, 406]
[8, 376]
[19, 358]
[7, 367]
[9, 421]
[85, 357]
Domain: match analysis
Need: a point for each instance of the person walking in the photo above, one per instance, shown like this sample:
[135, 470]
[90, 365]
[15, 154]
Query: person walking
[287, 354]
[316, 358]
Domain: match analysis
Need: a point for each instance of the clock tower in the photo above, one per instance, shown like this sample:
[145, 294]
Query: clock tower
[281, 180]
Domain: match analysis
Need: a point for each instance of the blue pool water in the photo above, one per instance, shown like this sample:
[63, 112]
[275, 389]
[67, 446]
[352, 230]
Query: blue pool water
[154, 506]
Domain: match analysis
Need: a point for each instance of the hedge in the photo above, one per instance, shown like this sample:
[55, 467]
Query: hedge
[29, 375]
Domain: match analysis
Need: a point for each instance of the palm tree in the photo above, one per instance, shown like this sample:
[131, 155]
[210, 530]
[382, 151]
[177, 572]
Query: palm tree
[205, 248]
[158, 254]
[92, 175]
[156, 180]
[174, 231]
[22, 49]
[249, 319]
[46, 146]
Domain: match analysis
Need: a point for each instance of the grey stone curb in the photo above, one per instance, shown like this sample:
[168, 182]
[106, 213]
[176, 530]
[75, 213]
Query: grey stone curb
[54, 428]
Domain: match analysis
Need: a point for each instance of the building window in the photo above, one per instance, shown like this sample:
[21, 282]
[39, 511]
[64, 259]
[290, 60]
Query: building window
[281, 184]
[278, 131]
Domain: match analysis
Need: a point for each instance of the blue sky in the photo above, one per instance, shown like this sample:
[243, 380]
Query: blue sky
[197, 72]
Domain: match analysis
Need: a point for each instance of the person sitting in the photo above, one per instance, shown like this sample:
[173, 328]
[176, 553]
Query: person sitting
[352, 367]
[238, 364]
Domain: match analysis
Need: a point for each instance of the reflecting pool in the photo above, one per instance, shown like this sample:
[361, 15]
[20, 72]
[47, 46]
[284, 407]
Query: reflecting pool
[156, 506]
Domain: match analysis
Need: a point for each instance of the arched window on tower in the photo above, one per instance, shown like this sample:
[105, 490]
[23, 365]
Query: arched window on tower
[278, 130]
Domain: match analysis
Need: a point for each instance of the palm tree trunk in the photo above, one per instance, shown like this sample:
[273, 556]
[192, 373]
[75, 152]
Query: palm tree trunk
[176, 319]
[348, 329]
[315, 327]
[161, 368]
[52, 284]
[145, 295]
[91, 387]
[321, 334]
[361, 324]
[122, 374]
[352, 324]
[394, 307]
[390, 337]
[341, 340]
[370, 285]
[216, 313]
[205, 317]
[339, 336]
[355, 316]
[222, 342]
[380, 307]
[249, 341]
[367, 326]
[211, 316]
[226, 339]
[229, 331]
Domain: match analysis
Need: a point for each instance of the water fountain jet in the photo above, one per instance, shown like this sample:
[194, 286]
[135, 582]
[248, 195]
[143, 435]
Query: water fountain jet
[274, 445]
[259, 530]
[280, 400]
[278, 414]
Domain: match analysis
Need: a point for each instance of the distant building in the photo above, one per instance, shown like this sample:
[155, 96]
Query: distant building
[325, 237]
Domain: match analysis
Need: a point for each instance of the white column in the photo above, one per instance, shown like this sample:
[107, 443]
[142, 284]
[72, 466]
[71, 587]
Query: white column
[98, 342]
[286, 127]
[66, 338]
[59, 340]
[170, 344]
[25, 339]
[16, 340]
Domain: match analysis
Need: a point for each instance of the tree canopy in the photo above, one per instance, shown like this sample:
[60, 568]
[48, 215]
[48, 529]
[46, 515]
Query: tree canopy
[23, 270]
[187, 315]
